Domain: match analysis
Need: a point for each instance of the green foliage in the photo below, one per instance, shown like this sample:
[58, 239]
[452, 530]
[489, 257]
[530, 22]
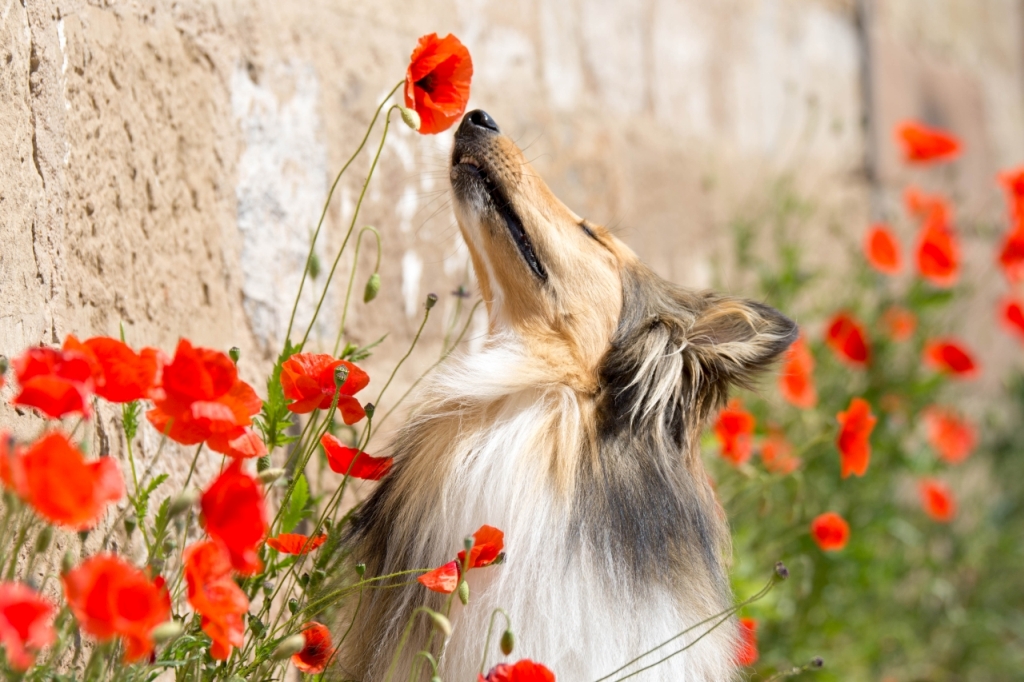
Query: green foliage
[296, 509]
[354, 353]
[274, 420]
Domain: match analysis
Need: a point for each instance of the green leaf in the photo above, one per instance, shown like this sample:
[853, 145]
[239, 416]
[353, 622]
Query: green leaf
[130, 418]
[142, 499]
[355, 353]
[275, 419]
[296, 505]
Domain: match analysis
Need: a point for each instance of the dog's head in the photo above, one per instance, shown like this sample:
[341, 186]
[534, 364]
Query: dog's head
[575, 294]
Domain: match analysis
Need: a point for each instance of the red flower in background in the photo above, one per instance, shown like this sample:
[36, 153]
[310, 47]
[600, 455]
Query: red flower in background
[488, 542]
[317, 652]
[921, 144]
[295, 543]
[747, 653]
[340, 457]
[437, 82]
[26, 624]
[308, 379]
[1011, 255]
[54, 478]
[215, 596]
[882, 250]
[855, 426]
[949, 434]
[830, 531]
[735, 431]
[796, 380]
[846, 337]
[937, 500]
[1013, 182]
[777, 455]
[235, 514]
[111, 598]
[521, 671]
[938, 251]
[55, 382]
[899, 323]
[202, 399]
[948, 355]
[119, 374]
[1011, 314]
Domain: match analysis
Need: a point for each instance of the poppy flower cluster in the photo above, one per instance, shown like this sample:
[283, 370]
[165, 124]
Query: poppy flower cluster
[938, 249]
[488, 542]
[215, 596]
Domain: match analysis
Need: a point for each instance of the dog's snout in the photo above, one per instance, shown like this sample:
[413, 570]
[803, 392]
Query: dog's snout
[480, 119]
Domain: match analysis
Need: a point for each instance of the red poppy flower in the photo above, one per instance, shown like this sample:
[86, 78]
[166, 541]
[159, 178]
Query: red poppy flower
[846, 337]
[777, 455]
[202, 399]
[119, 374]
[1011, 255]
[855, 426]
[796, 380]
[524, 670]
[899, 323]
[215, 596]
[735, 431]
[882, 250]
[296, 543]
[317, 652]
[937, 500]
[55, 382]
[747, 654]
[921, 144]
[443, 579]
[234, 513]
[949, 435]
[948, 355]
[111, 598]
[437, 82]
[26, 624]
[308, 379]
[830, 531]
[1013, 182]
[1011, 314]
[340, 458]
[938, 251]
[488, 542]
[61, 486]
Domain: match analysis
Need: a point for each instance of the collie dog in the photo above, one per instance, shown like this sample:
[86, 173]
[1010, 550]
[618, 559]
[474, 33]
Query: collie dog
[576, 431]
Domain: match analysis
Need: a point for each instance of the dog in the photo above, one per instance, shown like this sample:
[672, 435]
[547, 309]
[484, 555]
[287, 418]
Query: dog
[575, 430]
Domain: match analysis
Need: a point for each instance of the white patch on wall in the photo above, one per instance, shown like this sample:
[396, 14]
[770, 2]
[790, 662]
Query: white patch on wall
[681, 44]
[406, 208]
[412, 272]
[563, 73]
[282, 183]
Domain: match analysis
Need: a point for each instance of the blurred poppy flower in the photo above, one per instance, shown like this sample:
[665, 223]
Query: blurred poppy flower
[318, 650]
[26, 624]
[524, 670]
[308, 379]
[846, 337]
[777, 455]
[899, 323]
[855, 426]
[111, 598]
[443, 579]
[1011, 255]
[1013, 182]
[488, 542]
[295, 543]
[882, 250]
[938, 251]
[235, 514]
[796, 380]
[202, 399]
[215, 596]
[340, 458]
[949, 434]
[1011, 314]
[54, 478]
[120, 375]
[830, 531]
[55, 382]
[747, 653]
[437, 82]
[735, 429]
[922, 144]
[949, 355]
[937, 500]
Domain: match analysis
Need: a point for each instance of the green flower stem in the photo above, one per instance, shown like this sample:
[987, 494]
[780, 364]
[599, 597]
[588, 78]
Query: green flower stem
[18, 544]
[352, 225]
[352, 279]
[330, 194]
[415, 340]
[192, 467]
[403, 640]
[490, 631]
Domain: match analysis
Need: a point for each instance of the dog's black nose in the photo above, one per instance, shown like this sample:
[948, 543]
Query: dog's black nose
[480, 119]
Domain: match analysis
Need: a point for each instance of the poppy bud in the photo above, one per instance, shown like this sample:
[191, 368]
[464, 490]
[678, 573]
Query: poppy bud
[44, 538]
[410, 116]
[781, 570]
[368, 408]
[257, 626]
[431, 301]
[170, 544]
[435, 678]
[293, 605]
[340, 374]
[268, 476]
[167, 631]
[314, 266]
[441, 624]
[289, 646]
[372, 288]
[67, 562]
[304, 580]
[464, 592]
[360, 570]
[234, 354]
[130, 522]
[83, 535]
[508, 642]
[268, 587]
[182, 503]
[817, 662]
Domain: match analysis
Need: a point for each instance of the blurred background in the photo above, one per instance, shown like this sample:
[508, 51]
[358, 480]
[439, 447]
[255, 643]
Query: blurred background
[165, 162]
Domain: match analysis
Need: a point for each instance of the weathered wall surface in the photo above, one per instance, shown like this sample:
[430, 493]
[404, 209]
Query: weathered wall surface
[163, 163]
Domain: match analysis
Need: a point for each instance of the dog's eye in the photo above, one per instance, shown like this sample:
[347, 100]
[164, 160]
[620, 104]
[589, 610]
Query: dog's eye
[590, 232]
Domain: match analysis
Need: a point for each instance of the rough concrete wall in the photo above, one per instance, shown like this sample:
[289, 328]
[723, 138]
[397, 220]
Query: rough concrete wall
[164, 163]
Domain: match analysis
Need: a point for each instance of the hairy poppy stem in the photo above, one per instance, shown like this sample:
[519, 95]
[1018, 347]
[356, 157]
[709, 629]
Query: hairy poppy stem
[352, 279]
[490, 631]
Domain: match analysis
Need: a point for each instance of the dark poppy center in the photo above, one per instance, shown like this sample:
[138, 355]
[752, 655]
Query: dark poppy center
[427, 82]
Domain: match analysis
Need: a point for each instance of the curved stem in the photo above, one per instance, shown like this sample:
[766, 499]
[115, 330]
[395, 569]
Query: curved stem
[490, 631]
[352, 279]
